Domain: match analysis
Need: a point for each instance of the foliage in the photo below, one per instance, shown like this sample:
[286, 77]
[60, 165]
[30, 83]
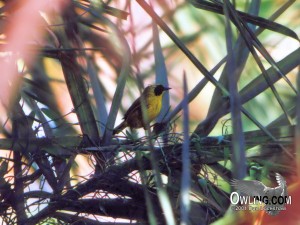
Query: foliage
[60, 163]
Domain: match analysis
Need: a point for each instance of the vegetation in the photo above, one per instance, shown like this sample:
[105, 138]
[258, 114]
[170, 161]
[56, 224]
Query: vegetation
[70, 70]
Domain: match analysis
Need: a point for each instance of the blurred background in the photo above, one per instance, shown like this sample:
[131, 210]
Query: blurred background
[45, 45]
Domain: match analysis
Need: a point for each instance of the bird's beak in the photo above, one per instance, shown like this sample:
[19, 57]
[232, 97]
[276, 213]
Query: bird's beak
[167, 88]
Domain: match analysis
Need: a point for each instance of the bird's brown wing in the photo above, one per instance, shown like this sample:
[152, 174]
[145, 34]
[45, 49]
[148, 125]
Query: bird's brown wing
[120, 127]
[136, 106]
[129, 117]
[134, 116]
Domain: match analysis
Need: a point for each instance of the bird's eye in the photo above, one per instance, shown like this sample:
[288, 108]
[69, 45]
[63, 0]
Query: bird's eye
[158, 90]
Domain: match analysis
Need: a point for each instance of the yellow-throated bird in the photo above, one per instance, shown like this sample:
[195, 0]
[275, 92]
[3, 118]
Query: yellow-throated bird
[133, 118]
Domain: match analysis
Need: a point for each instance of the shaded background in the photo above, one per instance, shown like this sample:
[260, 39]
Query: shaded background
[61, 57]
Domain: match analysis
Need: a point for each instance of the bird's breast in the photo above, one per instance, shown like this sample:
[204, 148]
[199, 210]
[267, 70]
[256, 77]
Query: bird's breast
[154, 107]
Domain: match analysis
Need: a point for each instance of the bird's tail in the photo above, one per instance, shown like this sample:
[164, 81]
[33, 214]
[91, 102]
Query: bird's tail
[119, 128]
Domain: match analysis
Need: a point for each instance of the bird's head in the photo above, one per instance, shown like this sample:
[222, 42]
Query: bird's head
[158, 89]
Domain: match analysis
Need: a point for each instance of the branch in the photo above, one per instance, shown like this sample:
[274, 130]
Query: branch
[77, 220]
[116, 208]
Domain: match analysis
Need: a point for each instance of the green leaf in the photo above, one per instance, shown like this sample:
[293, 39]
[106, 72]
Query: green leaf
[3, 168]
[259, 21]
[57, 151]
[50, 113]
[216, 196]
[101, 114]
[226, 155]
[161, 72]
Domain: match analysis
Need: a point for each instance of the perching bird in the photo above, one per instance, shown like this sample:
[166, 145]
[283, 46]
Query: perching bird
[133, 118]
[258, 189]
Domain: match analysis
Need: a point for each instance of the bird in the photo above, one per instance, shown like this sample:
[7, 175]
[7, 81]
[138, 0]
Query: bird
[258, 190]
[133, 118]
